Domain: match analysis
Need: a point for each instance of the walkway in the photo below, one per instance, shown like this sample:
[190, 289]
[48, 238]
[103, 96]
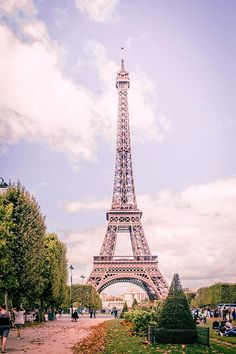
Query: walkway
[54, 337]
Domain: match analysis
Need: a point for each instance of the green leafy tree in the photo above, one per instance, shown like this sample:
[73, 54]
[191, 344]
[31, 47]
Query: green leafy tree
[134, 304]
[124, 310]
[86, 296]
[54, 271]
[176, 315]
[22, 244]
[215, 294]
[7, 266]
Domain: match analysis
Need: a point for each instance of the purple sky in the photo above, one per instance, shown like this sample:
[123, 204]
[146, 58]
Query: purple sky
[58, 106]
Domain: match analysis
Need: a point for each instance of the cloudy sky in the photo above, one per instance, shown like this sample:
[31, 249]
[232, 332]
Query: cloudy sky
[58, 110]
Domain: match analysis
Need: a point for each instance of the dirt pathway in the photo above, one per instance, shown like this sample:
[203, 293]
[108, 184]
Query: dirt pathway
[56, 337]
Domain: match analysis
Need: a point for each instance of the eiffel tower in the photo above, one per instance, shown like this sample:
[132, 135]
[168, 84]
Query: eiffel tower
[140, 268]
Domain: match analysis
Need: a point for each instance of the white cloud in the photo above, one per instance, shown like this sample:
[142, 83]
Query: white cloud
[72, 207]
[39, 103]
[193, 232]
[10, 7]
[98, 10]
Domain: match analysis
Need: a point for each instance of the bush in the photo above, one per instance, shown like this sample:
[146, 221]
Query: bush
[176, 336]
[176, 316]
[124, 310]
[141, 319]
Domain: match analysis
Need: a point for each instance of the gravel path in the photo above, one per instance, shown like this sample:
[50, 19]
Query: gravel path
[54, 337]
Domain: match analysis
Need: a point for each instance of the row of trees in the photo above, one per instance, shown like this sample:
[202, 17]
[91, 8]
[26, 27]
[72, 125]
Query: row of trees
[34, 267]
[33, 262]
[215, 294]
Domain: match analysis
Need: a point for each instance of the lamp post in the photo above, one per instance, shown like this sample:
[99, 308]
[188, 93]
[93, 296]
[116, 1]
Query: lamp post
[82, 300]
[71, 300]
[3, 188]
[82, 277]
[3, 185]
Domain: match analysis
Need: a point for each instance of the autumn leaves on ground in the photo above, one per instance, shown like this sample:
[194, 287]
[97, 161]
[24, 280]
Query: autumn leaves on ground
[116, 337]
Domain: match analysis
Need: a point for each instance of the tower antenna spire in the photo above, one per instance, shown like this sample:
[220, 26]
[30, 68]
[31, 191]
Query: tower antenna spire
[122, 59]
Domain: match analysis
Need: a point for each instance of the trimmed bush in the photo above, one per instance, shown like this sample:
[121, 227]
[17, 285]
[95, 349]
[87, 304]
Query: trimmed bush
[124, 310]
[175, 322]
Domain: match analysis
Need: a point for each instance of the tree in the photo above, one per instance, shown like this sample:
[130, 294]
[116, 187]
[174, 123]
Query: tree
[176, 315]
[215, 294]
[22, 243]
[86, 296]
[54, 271]
[124, 310]
[134, 304]
[6, 269]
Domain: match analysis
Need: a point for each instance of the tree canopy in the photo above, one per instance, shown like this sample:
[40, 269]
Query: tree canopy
[86, 296]
[215, 294]
[21, 243]
[33, 263]
[54, 270]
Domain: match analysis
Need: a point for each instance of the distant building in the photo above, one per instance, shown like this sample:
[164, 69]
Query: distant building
[109, 305]
[109, 301]
[189, 291]
[132, 294]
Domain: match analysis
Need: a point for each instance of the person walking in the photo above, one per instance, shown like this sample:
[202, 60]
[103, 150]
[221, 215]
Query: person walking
[19, 313]
[4, 326]
[75, 316]
[91, 312]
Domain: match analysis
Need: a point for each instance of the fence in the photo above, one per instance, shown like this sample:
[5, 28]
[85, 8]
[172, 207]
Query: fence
[174, 335]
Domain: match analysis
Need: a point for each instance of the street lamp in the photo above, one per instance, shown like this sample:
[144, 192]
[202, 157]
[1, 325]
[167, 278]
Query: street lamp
[71, 301]
[82, 300]
[82, 277]
[3, 188]
[3, 185]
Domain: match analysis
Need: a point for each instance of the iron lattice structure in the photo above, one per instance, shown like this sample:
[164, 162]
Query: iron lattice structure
[124, 216]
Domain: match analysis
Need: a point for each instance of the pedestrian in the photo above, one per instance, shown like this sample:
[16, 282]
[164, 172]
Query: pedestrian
[75, 316]
[4, 326]
[115, 312]
[19, 313]
[94, 313]
[91, 313]
[60, 313]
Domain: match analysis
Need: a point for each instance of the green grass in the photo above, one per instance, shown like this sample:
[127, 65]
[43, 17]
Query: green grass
[119, 340]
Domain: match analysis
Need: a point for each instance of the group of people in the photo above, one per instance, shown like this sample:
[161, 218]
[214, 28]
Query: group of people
[224, 317]
[226, 313]
[224, 328]
[7, 318]
[92, 313]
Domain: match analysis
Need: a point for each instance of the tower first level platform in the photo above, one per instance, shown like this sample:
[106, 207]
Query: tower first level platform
[139, 270]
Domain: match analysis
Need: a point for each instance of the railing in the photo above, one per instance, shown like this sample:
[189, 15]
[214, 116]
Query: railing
[183, 336]
[125, 258]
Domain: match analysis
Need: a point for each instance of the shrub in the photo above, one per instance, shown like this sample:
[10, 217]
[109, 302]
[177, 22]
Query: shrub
[141, 319]
[124, 310]
[134, 304]
[175, 322]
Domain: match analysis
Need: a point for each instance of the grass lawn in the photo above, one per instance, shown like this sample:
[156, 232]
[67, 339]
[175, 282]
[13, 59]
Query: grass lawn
[119, 340]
